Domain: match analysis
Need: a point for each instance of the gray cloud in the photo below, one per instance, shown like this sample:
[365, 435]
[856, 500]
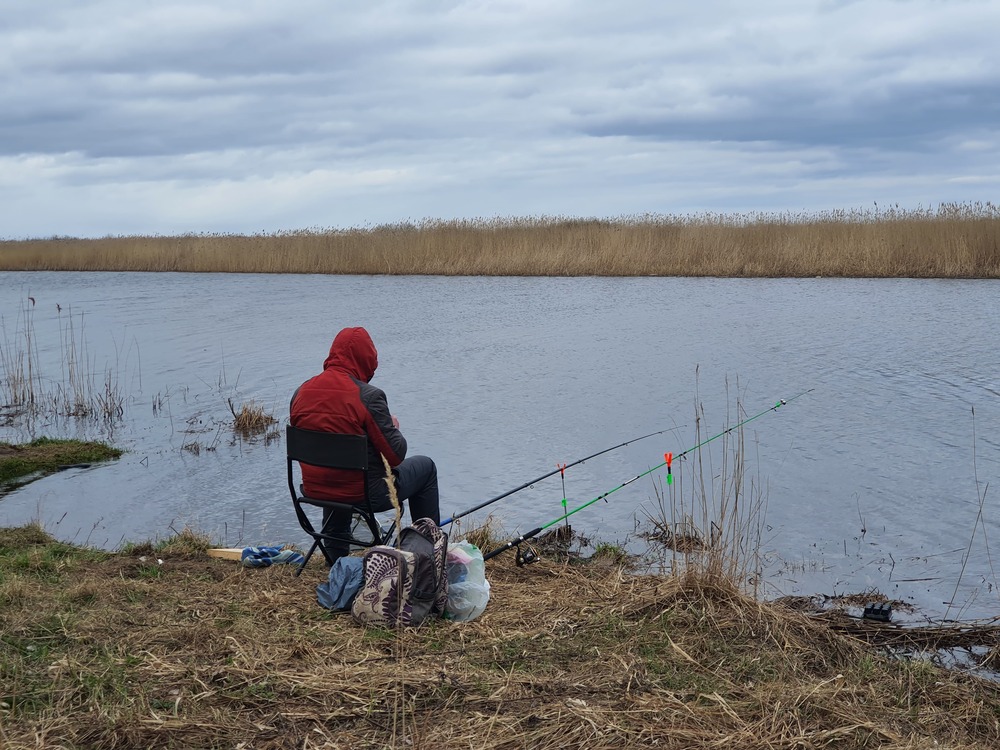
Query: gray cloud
[909, 116]
[246, 116]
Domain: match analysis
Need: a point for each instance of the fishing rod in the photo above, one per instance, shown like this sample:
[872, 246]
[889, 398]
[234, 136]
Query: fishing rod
[561, 468]
[524, 558]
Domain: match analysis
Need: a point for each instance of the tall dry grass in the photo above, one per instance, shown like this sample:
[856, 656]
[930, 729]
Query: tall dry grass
[949, 241]
[711, 514]
[79, 389]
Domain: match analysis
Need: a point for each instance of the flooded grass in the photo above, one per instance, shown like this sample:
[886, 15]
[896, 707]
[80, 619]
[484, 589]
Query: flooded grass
[709, 510]
[251, 419]
[949, 241]
[162, 646]
[33, 392]
[78, 389]
[20, 464]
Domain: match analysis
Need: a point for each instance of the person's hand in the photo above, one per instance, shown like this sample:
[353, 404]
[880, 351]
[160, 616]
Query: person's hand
[395, 421]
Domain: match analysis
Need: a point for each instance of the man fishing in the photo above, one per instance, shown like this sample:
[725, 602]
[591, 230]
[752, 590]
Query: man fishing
[341, 399]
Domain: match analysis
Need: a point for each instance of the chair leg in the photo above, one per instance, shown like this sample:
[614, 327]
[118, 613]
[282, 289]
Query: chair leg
[330, 560]
[387, 534]
[339, 525]
[309, 554]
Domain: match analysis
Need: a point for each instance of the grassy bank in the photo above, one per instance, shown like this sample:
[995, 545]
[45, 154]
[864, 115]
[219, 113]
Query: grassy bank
[20, 464]
[160, 646]
[951, 241]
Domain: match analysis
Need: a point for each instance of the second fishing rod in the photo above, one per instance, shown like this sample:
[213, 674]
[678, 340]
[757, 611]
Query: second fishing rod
[669, 458]
[560, 469]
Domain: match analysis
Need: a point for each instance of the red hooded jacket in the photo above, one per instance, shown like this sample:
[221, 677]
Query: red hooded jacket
[341, 399]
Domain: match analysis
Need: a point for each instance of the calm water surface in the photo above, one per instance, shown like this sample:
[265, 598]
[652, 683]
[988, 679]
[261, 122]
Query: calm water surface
[870, 479]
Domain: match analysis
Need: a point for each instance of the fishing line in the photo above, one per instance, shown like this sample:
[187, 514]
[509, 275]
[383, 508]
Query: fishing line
[560, 469]
[529, 556]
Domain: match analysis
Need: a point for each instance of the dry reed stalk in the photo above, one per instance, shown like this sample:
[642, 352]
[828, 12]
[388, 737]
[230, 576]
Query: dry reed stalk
[404, 730]
[390, 483]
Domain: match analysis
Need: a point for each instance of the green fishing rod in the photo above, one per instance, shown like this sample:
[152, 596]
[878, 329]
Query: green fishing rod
[523, 558]
[561, 468]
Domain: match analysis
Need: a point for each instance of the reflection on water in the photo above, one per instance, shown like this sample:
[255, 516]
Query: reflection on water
[870, 480]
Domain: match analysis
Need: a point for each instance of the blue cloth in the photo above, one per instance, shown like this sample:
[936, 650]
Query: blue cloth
[342, 585]
[262, 557]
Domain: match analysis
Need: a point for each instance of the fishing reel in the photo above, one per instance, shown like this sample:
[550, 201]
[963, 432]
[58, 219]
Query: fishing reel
[526, 556]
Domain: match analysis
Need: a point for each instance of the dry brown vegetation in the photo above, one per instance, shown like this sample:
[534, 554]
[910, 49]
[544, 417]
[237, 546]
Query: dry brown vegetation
[950, 241]
[251, 419]
[161, 646]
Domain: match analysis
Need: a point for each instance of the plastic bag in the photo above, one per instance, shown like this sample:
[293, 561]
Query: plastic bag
[468, 589]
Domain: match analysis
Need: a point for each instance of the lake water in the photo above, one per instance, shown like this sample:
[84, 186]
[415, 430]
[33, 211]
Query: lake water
[870, 478]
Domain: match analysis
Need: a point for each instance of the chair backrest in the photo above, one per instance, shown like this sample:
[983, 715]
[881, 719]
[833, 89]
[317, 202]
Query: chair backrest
[327, 449]
[331, 450]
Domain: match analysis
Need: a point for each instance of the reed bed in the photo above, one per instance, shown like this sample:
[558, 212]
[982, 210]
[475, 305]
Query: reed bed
[949, 241]
[161, 646]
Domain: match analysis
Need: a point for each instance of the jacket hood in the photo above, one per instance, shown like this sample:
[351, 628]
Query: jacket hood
[354, 351]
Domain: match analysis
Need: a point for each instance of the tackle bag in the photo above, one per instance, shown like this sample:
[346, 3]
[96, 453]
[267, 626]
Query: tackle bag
[405, 585]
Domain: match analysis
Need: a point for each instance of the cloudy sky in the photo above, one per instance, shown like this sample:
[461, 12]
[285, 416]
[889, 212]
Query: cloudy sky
[148, 117]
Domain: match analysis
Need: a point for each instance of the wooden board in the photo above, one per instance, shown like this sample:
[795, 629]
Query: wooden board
[226, 553]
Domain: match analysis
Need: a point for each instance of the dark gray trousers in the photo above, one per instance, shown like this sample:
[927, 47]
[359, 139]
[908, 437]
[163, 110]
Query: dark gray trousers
[416, 485]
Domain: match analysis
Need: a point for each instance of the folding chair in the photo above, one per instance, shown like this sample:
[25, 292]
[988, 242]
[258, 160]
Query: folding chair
[333, 451]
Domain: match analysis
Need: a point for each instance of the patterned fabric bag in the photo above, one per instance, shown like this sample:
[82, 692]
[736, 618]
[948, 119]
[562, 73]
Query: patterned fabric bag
[403, 586]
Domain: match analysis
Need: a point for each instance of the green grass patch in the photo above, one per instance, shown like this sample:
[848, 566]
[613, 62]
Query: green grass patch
[20, 464]
[29, 550]
[185, 543]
